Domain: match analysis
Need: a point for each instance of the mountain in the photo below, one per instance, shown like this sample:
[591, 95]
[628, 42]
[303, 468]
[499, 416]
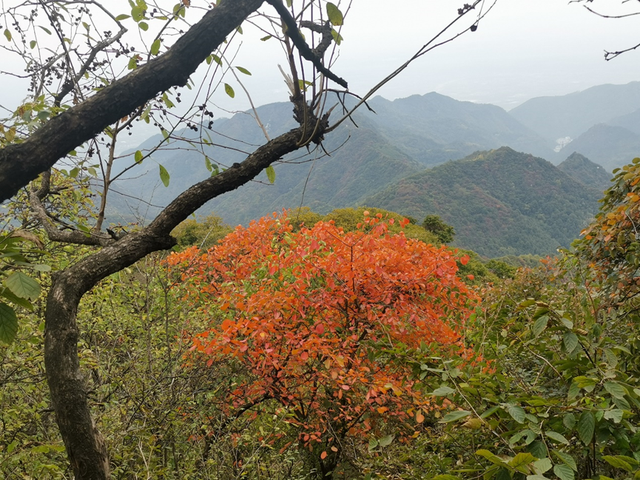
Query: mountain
[572, 115]
[434, 128]
[630, 121]
[607, 145]
[583, 170]
[358, 162]
[500, 202]
[399, 139]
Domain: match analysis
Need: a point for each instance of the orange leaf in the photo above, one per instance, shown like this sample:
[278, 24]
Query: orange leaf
[419, 417]
[323, 455]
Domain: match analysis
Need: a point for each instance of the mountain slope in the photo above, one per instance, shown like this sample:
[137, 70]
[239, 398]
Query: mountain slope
[583, 170]
[360, 162]
[434, 128]
[399, 140]
[573, 114]
[500, 202]
[607, 145]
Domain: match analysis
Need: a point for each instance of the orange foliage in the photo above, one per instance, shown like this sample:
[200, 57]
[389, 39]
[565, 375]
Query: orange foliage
[326, 322]
[611, 244]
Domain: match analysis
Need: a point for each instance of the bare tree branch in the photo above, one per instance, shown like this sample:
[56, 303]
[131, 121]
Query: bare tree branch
[294, 34]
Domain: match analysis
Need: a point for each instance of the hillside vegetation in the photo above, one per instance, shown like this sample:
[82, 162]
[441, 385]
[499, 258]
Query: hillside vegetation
[500, 202]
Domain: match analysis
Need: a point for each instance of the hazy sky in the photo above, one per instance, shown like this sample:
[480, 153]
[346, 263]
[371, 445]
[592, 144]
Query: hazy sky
[522, 49]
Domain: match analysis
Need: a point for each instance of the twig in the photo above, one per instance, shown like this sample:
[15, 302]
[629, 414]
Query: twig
[294, 34]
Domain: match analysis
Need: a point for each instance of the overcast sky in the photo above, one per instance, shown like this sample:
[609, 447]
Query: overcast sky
[522, 49]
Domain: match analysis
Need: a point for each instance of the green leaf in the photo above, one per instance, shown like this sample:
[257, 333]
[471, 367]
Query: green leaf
[143, 26]
[373, 444]
[612, 358]
[566, 459]
[569, 421]
[586, 427]
[531, 436]
[32, 44]
[453, 416]
[271, 174]
[13, 298]
[229, 90]
[23, 286]
[537, 449]
[564, 472]
[503, 474]
[119, 18]
[164, 176]
[334, 14]
[445, 477]
[133, 63]
[336, 37]
[557, 437]
[540, 325]
[442, 391]
[586, 383]
[137, 13]
[155, 46]
[537, 477]
[615, 389]
[7, 34]
[517, 413]
[489, 412]
[244, 70]
[618, 462]
[8, 323]
[570, 341]
[542, 465]
[138, 156]
[615, 415]
[386, 441]
[521, 460]
[491, 457]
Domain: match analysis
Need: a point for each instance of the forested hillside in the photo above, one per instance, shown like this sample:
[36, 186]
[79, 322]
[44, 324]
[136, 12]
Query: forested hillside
[500, 202]
[583, 170]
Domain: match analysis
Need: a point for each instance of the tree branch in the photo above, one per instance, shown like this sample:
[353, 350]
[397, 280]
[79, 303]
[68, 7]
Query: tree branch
[68, 391]
[20, 163]
[294, 34]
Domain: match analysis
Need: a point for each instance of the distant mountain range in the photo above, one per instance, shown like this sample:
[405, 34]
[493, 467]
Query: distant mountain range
[602, 121]
[396, 140]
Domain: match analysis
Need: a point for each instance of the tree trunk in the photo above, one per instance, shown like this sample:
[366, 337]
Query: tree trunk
[86, 449]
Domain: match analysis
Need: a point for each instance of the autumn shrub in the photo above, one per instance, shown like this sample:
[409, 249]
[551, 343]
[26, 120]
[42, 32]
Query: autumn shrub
[325, 327]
